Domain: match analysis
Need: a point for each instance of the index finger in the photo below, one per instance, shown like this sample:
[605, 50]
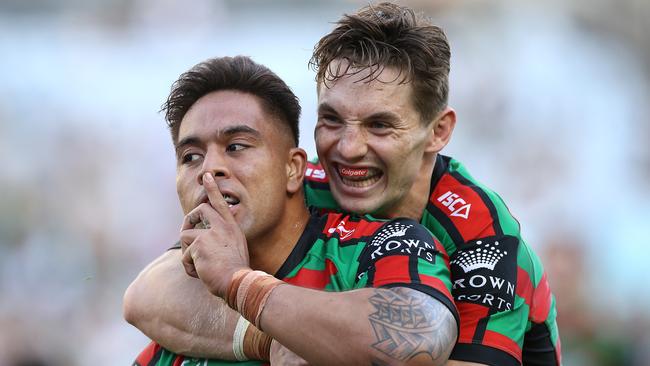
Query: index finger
[215, 197]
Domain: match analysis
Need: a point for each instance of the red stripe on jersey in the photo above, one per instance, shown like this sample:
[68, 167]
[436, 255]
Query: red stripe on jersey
[330, 267]
[311, 278]
[148, 354]
[347, 229]
[524, 287]
[178, 361]
[541, 301]
[391, 269]
[315, 173]
[464, 207]
[436, 283]
[498, 340]
[443, 252]
[332, 221]
[469, 314]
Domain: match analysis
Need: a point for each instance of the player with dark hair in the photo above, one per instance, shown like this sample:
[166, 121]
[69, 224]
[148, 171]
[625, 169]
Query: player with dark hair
[379, 291]
[383, 119]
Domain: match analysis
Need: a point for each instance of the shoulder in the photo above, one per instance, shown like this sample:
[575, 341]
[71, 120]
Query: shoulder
[403, 237]
[348, 227]
[466, 207]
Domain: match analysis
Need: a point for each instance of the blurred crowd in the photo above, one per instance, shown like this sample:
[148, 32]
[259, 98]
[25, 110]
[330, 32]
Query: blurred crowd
[552, 100]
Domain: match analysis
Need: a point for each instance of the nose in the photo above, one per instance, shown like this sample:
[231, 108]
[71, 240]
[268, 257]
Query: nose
[215, 164]
[353, 143]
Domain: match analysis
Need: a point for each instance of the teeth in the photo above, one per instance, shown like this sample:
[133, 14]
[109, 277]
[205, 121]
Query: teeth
[359, 177]
[361, 183]
[230, 200]
[359, 174]
[349, 172]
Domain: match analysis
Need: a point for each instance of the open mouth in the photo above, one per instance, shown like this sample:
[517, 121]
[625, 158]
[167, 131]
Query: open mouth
[231, 201]
[359, 177]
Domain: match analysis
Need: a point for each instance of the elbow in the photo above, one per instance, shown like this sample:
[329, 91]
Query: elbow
[140, 297]
[437, 347]
[138, 302]
[130, 309]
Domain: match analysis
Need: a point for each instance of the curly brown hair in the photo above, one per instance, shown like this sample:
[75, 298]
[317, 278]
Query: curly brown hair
[389, 35]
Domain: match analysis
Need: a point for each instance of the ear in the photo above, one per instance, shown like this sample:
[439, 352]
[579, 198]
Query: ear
[442, 129]
[296, 165]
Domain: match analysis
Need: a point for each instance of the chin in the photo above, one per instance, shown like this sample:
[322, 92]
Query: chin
[352, 205]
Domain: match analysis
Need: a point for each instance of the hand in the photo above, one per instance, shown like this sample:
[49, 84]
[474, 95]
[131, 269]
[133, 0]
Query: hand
[217, 248]
[281, 355]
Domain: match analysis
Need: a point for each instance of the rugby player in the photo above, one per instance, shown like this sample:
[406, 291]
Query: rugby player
[383, 119]
[379, 291]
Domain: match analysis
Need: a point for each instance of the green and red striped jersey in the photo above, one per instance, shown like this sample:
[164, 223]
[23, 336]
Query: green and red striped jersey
[339, 252]
[507, 311]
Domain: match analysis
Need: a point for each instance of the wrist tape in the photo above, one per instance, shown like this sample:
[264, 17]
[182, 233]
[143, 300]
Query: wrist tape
[238, 339]
[248, 292]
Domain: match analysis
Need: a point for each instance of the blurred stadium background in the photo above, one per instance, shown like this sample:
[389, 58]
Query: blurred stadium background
[553, 99]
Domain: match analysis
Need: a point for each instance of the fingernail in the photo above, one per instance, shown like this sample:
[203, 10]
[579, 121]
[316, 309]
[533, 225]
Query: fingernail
[207, 177]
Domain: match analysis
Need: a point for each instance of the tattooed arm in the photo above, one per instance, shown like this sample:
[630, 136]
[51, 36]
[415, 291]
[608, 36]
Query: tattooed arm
[396, 326]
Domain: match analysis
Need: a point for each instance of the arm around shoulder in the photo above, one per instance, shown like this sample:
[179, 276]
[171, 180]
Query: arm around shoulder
[379, 326]
[177, 311]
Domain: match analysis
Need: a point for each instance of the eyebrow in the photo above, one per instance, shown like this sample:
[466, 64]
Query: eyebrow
[190, 140]
[226, 132]
[325, 107]
[237, 129]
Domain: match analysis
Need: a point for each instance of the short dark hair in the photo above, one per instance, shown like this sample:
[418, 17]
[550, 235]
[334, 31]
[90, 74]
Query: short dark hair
[390, 35]
[232, 73]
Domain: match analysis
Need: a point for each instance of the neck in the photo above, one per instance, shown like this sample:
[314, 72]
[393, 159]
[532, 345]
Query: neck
[269, 251]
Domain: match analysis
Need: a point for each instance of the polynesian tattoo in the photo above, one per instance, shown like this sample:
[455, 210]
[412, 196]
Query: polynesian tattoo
[408, 323]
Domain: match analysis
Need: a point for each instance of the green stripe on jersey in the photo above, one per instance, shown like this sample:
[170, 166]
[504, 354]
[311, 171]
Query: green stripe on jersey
[439, 232]
[321, 198]
[343, 258]
[509, 323]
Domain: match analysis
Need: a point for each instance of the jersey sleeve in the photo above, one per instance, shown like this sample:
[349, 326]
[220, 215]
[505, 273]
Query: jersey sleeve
[403, 253]
[504, 302]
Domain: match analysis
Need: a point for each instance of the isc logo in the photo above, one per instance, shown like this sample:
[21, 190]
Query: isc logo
[456, 205]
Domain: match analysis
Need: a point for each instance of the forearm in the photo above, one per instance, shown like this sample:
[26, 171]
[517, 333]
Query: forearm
[361, 327]
[178, 312]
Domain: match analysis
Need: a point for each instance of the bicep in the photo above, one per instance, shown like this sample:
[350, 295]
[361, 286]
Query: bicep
[411, 326]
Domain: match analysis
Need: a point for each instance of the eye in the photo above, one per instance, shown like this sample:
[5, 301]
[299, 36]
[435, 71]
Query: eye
[380, 127]
[235, 147]
[190, 157]
[330, 119]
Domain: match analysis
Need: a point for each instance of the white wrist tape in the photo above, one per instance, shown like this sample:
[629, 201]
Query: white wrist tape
[238, 339]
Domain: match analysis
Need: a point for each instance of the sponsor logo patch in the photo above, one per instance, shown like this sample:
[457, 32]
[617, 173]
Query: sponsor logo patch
[484, 272]
[400, 238]
[455, 204]
[341, 230]
[315, 173]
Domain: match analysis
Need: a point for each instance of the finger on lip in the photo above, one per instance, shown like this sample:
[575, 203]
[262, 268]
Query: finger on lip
[214, 194]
